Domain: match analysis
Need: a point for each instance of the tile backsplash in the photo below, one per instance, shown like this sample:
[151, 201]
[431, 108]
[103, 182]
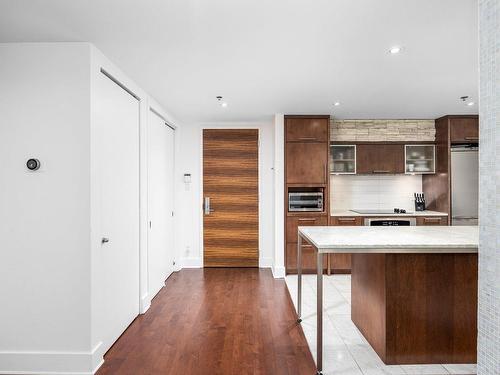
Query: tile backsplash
[374, 192]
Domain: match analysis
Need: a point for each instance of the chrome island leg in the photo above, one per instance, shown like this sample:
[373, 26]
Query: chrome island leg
[299, 278]
[319, 312]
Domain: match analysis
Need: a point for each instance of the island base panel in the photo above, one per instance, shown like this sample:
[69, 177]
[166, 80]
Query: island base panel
[417, 308]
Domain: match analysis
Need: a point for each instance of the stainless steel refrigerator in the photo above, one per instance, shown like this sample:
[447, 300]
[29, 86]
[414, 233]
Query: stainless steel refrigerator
[464, 186]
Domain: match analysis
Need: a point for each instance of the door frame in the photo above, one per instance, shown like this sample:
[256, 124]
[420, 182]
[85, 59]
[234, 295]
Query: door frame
[235, 126]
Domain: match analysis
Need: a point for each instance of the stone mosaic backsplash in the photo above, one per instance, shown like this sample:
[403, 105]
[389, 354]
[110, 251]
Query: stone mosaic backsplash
[382, 130]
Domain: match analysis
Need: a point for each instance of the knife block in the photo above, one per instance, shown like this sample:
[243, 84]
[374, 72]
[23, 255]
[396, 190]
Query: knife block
[419, 206]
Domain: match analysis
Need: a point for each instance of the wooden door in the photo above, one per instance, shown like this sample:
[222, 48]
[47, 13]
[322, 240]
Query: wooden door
[306, 163]
[230, 182]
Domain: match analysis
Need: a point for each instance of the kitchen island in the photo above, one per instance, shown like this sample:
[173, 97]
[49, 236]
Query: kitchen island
[414, 289]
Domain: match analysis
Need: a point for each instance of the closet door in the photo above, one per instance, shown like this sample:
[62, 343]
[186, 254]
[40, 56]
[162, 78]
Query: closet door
[160, 197]
[117, 124]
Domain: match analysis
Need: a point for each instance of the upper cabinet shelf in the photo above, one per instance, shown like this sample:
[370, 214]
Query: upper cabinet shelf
[420, 159]
[342, 159]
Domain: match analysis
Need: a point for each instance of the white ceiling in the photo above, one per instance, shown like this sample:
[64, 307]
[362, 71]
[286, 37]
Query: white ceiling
[274, 56]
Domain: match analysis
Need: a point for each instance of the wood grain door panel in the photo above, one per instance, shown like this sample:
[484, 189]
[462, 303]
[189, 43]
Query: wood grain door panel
[230, 179]
[307, 163]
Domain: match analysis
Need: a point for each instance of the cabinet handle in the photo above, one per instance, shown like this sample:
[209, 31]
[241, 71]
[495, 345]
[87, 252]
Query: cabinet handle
[346, 219]
[379, 171]
[312, 219]
[307, 245]
[325, 173]
[471, 138]
[307, 138]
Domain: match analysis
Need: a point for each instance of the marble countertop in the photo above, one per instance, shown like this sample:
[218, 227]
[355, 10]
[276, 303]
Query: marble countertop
[409, 214]
[411, 239]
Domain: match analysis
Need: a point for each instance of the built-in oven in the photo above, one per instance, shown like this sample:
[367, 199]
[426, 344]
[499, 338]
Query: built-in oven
[305, 201]
[390, 221]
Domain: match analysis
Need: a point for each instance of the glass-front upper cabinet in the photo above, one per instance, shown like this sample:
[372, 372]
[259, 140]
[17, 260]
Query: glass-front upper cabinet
[342, 159]
[420, 159]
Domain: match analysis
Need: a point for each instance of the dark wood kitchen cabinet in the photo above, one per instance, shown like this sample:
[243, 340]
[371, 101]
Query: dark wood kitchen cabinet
[307, 129]
[307, 163]
[308, 252]
[464, 129]
[432, 220]
[306, 170]
[341, 263]
[380, 158]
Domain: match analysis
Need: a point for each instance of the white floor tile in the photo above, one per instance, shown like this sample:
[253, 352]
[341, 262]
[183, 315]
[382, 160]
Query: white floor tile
[459, 369]
[425, 370]
[345, 350]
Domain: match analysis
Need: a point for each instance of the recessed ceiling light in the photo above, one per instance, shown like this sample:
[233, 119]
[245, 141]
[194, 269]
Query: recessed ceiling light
[395, 49]
[470, 103]
[336, 104]
[222, 103]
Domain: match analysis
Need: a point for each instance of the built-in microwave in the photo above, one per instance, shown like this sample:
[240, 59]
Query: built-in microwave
[305, 201]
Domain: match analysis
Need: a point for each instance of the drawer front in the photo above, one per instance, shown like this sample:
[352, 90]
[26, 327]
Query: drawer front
[306, 130]
[308, 259]
[346, 220]
[293, 222]
[434, 220]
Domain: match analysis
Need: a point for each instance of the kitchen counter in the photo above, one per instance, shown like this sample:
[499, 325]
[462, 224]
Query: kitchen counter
[413, 289]
[411, 239]
[412, 214]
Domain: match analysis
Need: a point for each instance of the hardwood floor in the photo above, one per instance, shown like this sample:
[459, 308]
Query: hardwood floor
[215, 321]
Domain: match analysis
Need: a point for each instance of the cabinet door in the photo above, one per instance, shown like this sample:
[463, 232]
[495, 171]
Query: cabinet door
[293, 222]
[434, 220]
[306, 163]
[464, 130]
[308, 259]
[391, 159]
[366, 158]
[380, 158]
[306, 130]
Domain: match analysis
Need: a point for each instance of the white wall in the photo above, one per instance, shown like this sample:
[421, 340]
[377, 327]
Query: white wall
[44, 215]
[374, 192]
[49, 220]
[279, 191]
[189, 197]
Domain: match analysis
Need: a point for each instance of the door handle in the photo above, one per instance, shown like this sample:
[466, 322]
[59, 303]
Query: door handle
[206, 206]
[104, 240]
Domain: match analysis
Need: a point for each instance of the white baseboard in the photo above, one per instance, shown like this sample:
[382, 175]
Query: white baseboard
[265, 262]
[192, 263]
[51, 362]
[145, 303]
[278, 272]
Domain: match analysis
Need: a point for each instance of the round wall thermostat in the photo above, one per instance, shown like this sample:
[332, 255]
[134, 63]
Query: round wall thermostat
[33, 164]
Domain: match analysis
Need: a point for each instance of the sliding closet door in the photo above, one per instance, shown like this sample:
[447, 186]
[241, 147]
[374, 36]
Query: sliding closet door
[117, 124]
[160, 196]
